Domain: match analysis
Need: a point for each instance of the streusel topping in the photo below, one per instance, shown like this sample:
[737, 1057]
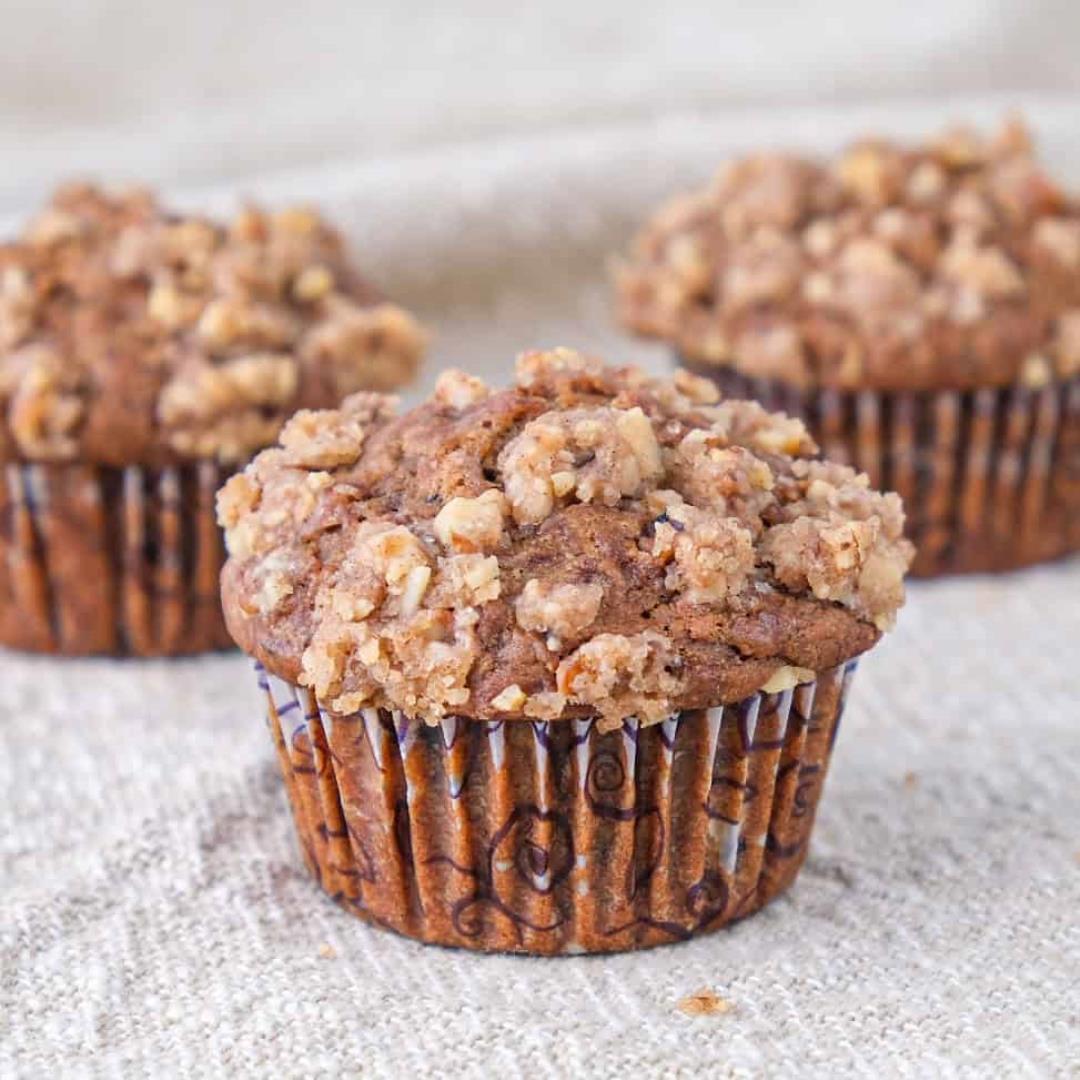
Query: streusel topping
[131, 335]
[591, 541]
[953, 264]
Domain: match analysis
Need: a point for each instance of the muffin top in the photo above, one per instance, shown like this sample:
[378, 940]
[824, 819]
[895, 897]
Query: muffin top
[951, 265]
[131, 335]
[590, 542]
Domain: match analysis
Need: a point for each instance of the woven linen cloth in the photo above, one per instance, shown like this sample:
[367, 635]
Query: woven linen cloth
[155, 916]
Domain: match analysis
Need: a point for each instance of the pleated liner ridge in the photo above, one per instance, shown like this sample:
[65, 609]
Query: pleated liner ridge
[990, 478]
[550, 837]
[110, 560]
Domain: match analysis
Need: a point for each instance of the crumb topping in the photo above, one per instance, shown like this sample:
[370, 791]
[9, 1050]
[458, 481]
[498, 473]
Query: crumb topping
[589, 542]
[129, 333]
[948, 264]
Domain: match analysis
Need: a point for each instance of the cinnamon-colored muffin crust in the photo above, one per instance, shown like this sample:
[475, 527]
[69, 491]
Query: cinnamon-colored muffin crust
[950, 265]
[588, 542]
[132, 335]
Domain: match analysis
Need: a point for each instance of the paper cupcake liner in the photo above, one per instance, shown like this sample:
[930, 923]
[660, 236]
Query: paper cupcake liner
[104, 560]
[552, 837]
[990, 478]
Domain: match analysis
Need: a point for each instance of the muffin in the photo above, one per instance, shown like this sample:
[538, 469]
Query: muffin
[143, 356]
[918, 307]
[558, 668]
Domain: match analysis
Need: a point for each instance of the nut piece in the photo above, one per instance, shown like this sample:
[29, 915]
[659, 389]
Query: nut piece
[466, 581]
[699, 390]
[621, 676]
[458, 390]
[787, 677]
[561, 611]
[599, 454]
[710, 555]
[46, 407]
[323, 440]
[536, 370]
[842, 541]
[469, 525]
[511, 699]
[313, 283]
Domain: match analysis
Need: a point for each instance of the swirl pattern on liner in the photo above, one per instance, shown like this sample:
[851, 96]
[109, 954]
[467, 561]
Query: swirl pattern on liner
[558, 838]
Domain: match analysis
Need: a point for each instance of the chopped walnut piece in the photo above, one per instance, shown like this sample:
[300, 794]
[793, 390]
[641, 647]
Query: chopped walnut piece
[323, 440]
[621, 676]
[596, 454]
[364, 346]
[468, 525]
[313, 283]
[765, 267]
[276, 581]
[727, 479]
[466, 581]
[710, 555]
[459, 390]
[871, 172]
[559, 610]
[786, 678]
[46, 407]
[547, 705]
[986, 271]
[235, 503]
[509, 700]
[843, 541]
[697, 388]
[536, 369]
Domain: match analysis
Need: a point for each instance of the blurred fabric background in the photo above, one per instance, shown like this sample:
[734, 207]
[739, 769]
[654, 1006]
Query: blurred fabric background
[206, 91]
[484, 160]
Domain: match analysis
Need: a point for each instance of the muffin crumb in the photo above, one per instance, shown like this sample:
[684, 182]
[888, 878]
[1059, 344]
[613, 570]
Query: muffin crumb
[704, 1002]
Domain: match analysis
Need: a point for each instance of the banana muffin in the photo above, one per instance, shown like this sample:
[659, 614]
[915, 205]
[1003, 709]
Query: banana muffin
[917, 306]
[143, 356]
[555, 668]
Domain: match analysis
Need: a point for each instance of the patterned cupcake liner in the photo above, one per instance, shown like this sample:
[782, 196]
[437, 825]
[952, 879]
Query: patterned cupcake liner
[990, 478]
[552, 837]
[109, 560]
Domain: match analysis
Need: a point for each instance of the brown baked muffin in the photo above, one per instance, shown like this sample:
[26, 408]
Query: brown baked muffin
[143, 356]
[556, 668]
[918, 307]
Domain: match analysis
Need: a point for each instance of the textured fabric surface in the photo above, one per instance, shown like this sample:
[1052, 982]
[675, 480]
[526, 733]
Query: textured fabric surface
[155, 918]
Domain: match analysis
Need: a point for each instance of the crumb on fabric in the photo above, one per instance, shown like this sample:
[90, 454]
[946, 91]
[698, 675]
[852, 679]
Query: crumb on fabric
[704, 1002]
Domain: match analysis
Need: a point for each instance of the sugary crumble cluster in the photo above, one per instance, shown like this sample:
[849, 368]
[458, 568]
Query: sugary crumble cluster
[110, 305]
[956, 263]
[557, 548]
